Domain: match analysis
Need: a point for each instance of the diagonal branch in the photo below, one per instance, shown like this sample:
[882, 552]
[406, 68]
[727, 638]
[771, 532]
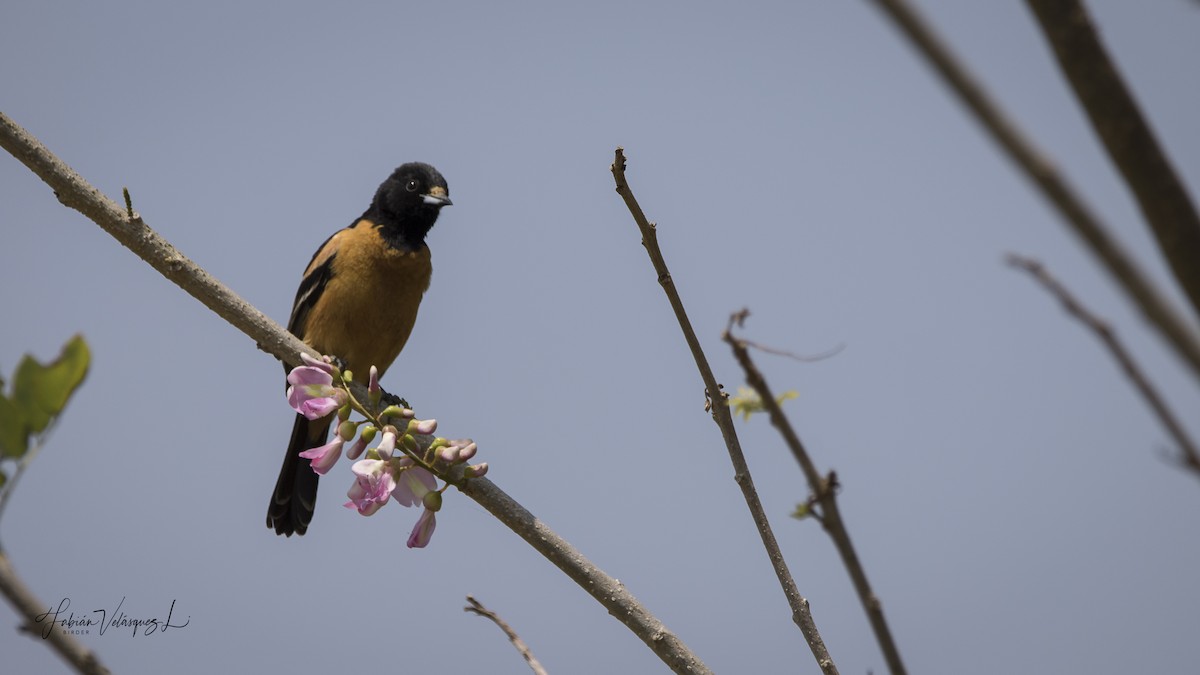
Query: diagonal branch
[824, 490]
[477, 608]
[27, 605]
[1054, 187]
[801, 613]
[1131, 144]
[73, 191]
[1190, 454]
[608, 591]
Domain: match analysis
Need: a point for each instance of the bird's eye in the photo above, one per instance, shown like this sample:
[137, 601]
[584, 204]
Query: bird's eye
[412, 185]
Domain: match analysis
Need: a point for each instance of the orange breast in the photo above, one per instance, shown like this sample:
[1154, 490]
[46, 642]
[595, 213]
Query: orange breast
[370, 304]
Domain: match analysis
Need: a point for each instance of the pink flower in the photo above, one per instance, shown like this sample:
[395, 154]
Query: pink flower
[312, 393]
[359, 500]
[418, 486]
[373, 484]
[324, 457]
[414, 483]
[422, 532]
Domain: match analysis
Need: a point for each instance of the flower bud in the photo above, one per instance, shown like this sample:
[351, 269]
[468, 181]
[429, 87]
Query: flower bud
[476, 470]
[357, 449]
[387, 444]
[425, 427]
[373, 391]
[450, 453]
[466, 449]
[320, 363]
[346, 430]
[396, 411]
[432, 500]
[410, 444]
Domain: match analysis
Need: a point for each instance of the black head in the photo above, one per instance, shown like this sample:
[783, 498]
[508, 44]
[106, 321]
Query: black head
[406, 205]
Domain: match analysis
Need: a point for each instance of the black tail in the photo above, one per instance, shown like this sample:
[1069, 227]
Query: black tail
[295, 496]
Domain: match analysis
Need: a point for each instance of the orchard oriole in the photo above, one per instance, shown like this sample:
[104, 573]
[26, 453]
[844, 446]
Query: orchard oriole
[358, 301]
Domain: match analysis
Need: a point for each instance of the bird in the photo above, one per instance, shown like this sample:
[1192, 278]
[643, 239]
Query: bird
[358, 302]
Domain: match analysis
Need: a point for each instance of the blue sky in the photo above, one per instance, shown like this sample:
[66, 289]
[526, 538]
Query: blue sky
[1005, 487]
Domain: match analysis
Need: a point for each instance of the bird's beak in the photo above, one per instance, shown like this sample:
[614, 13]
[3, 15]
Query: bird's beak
[437, 197]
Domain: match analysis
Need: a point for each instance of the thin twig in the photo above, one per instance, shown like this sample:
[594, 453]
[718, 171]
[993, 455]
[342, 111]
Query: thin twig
[824, 488]
[740, 316]
[22, 464]
[1054, 187]
[129, 212]
[801, 613]
[477, 607]
[82, 659]
[803, 358]
[73, 191]
[1190, 455]
[1127, 136]
[608, 591]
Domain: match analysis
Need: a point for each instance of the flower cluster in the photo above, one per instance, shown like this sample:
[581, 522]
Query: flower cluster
[400, 467]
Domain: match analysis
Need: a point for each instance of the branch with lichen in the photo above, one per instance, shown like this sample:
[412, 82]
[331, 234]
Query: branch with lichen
[1179, 333]
[801, 613]
[132, 232]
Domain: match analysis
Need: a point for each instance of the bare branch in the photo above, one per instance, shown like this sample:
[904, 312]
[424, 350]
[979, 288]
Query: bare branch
[801, 613]
[1131, 144]
[1078, 214]
[82, 659]
[824, 490]
[477, 607]
[73, 191]
[605, 589]
[1190, 455]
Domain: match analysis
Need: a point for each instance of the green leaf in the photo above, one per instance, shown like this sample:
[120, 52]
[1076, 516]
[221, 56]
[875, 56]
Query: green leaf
[42, 391]
[14, 429]
[747, 402]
